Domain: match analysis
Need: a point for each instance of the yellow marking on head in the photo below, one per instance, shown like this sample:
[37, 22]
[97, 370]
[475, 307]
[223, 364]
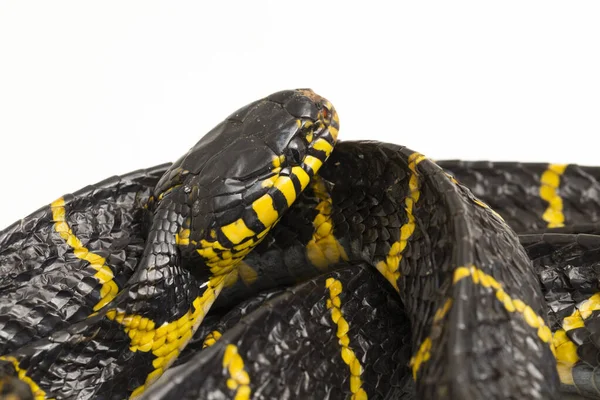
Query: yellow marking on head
[286, 187]
[221, 259]
[511, 305]
[211, 339]
[239, 379]
[313, 162]
[324, 249]
[356, 369]
[270, 181]
[207, 249]
[334, 131]
[389, 267]
[168, 340]
[244, 245]
[550, 183]
[309, 137]
[302, 176]
[104, 274]
[38, 393]
[278, 160]
[323, 145]
[183, 237]
[265, 210]
[237, 231]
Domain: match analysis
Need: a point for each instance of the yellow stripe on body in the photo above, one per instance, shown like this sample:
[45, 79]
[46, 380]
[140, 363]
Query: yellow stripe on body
[389, 267]
[566, 350]
[475, 199]
[38, 393]
[323, 249]
[511, 305]
[103, 274]
[452, 178]
[334, 304]
[239, 379]
[566, 356]
[423, 353]
[550, 182]
[582, 312]
[211, 339]
[167, 341]
[484, 205]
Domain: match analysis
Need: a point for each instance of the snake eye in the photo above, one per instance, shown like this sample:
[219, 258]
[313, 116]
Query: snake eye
[296, 150]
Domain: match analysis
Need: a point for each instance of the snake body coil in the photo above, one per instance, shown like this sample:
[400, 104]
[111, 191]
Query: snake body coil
[252, 276]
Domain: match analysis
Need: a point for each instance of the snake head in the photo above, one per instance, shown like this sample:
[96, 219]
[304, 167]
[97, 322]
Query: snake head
[242, 175]
[291, 128]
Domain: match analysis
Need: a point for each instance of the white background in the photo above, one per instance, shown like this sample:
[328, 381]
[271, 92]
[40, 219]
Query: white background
[91, 89]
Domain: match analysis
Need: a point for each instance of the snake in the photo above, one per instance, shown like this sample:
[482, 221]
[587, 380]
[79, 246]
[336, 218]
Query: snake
[273, 261]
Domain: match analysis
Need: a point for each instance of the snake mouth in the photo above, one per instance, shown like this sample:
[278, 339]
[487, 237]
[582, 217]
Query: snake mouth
[327, 115]
[318, 127]
[286, 138]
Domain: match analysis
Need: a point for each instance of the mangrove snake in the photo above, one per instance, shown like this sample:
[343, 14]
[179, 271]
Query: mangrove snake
[253, 277]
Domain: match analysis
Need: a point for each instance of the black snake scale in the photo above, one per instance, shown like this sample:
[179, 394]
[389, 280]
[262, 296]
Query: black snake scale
[386, 278]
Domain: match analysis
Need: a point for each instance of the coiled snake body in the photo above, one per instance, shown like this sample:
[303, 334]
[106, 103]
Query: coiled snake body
[252, 276]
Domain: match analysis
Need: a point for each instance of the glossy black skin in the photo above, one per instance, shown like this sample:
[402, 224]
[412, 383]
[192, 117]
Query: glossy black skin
[92, 356]
[369, 182]
[32, 256]
[301, 367]
[224, 170]
[367, 198]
